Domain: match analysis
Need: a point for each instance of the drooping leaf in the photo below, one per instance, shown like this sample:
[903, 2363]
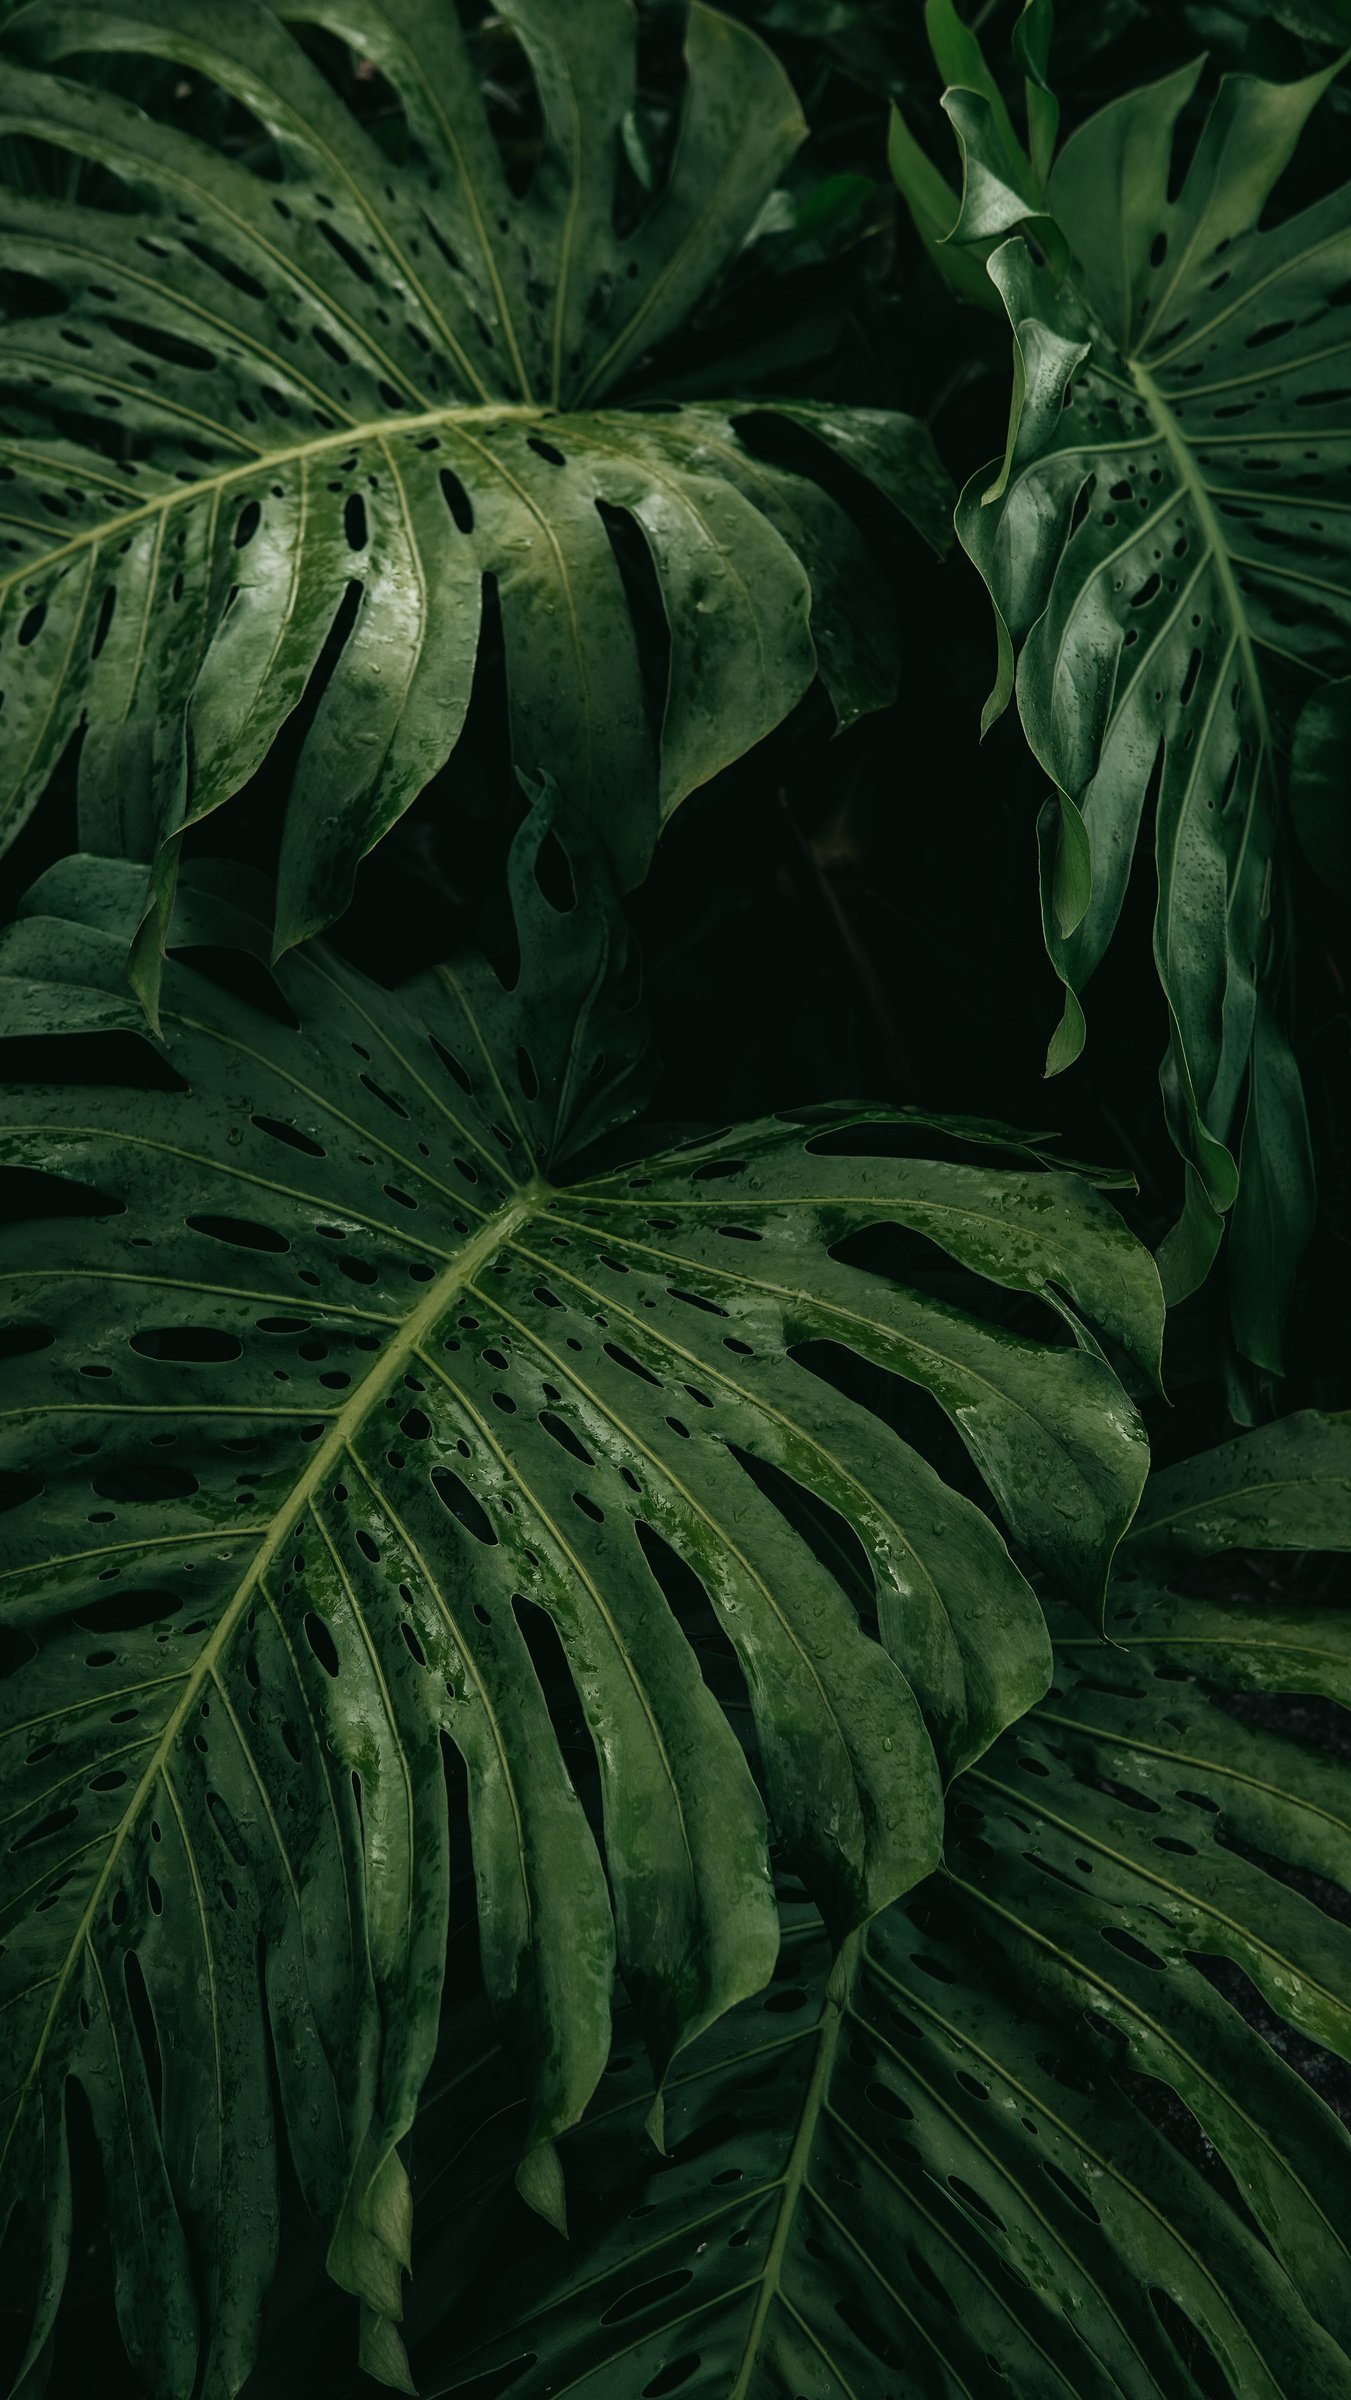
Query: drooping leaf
[1041, 2130]
[1166, 546]
[277, 399]
[344, 1397]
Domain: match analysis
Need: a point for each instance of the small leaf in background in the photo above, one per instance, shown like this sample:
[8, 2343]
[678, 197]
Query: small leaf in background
[1320, 785]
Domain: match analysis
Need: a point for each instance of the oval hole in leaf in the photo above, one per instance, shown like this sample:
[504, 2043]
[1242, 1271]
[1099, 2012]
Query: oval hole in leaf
[147, 2035]
[128, 1611]
[454, 1494]
[1129, 1947]
[190, 1345]
[290, 1135]
[241, 1232]
[497, 2380]
[646, 2295]
[674, 2377]
[452, 1065]
[22, 1341]
[57, 1822]
[457, 501]
[971, 2198]
[1072, 2193]
[138, 1483]
[17, 1485]
[566, 1439]
[321, 1642]
[1191, 2346]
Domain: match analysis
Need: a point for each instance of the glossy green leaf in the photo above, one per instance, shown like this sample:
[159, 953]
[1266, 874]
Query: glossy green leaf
[1166, 547]
[999, 189]
[1282, 1489]
[1001, 185]
[339, 1388]
[934, 207]
[272, 402]
[1040, 2130]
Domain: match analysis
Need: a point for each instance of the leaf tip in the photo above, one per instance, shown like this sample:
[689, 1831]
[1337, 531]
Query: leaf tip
[1067, 1041]
[655, 2124]
[381, 2353]
[539, 2180]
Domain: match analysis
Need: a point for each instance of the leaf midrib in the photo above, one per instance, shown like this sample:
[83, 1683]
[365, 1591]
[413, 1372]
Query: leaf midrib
[1198, 493]
[1147, 1527]
[455, 151]
[265, 462]
[372, 1388]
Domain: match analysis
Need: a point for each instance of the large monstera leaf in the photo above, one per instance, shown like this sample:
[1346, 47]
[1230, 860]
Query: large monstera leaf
[282, 397]
[1038, 2129]
[1166, 544]
[349, 1404]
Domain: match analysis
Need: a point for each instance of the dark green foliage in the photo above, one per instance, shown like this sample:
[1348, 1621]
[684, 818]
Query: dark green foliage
[1039, 2129]
[388, 383]
[345, 1285]
[617, 1773]
[1164, 546]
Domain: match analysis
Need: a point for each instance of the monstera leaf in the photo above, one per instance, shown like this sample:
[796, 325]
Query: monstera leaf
[348, 1403]
[281, 418]
[1166, 544]
[1039, 2129]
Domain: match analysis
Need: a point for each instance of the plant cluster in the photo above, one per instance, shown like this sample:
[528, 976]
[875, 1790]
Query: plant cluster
[672, 1703]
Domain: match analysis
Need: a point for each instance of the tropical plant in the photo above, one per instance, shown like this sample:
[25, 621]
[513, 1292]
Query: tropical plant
[1040, 2128]
[305, 408]
[1164, 543]
[618, 1773]
[337, 1373]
